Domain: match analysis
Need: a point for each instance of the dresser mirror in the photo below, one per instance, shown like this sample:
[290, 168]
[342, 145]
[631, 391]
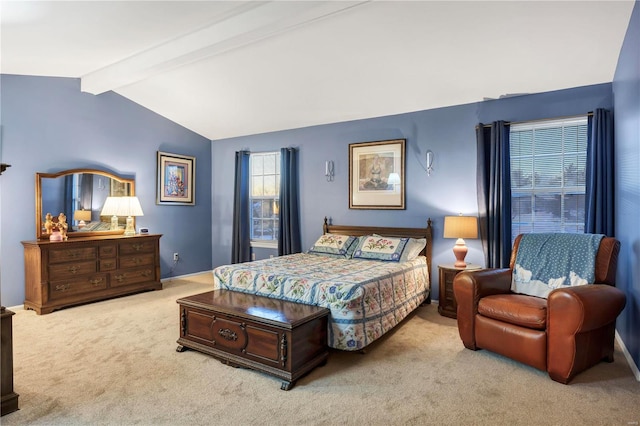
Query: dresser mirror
[80, 195]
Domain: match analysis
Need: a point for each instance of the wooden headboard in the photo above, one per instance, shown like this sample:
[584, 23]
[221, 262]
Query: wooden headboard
[387, 232]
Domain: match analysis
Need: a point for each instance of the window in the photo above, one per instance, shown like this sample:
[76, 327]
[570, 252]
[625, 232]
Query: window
[264, 190]
[548, 163]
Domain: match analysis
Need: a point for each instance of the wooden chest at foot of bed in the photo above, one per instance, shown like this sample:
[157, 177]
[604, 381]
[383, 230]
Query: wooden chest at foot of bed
[284, 339]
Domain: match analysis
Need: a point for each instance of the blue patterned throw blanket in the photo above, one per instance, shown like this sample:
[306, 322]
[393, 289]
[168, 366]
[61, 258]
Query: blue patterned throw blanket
[545, 262]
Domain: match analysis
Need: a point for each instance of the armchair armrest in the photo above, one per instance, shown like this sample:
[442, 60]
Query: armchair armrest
[583, 308]
[581, 327]
[468, 288]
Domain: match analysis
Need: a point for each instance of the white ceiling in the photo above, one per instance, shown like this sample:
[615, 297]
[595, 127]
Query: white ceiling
[227, 69]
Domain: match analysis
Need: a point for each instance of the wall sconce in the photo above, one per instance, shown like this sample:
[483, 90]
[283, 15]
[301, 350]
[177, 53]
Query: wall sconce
[430, 156]
[328, 170]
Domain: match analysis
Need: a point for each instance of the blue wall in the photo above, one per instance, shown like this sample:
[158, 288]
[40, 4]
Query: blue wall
[626, 91]
[48, 125]
[451, 188]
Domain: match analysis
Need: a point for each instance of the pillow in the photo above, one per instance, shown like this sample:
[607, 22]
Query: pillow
[380, 248]
[413, 248]
[335, 245]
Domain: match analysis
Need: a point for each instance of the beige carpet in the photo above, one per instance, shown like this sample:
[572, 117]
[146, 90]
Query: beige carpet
[114, 362]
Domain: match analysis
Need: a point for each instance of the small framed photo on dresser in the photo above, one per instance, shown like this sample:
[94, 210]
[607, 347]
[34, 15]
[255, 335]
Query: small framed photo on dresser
[176, 183]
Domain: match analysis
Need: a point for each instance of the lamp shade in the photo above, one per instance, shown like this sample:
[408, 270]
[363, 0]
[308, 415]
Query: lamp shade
[82, 215]
[122, 206]
[460, 227]
[110, 207]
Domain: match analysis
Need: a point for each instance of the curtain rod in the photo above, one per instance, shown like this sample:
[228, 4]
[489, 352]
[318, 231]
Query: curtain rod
[566, 117]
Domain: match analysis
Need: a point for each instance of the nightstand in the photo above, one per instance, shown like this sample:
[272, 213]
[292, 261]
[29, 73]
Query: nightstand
[447, 305]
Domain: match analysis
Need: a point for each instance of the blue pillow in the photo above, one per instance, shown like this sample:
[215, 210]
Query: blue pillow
[374, 247]
[334, 245]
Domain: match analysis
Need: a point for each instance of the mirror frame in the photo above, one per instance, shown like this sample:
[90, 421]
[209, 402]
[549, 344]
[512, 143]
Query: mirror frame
[40, 216]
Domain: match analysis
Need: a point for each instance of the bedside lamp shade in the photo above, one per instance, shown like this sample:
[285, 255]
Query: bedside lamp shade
[460, 227]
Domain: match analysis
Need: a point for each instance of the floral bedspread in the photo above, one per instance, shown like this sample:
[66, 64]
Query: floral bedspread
[366, 298]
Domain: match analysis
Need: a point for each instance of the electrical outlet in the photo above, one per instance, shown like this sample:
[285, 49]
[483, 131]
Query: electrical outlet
[176, 257]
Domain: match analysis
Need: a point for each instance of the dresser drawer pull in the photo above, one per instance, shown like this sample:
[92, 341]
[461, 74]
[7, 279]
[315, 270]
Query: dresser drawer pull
[138, 247]
[227, 334]
[73, 254]
[63, 287]
[96, 281]
[147, 273]
[108, 264]
[73, 269]
[120, 278]
[136, 260]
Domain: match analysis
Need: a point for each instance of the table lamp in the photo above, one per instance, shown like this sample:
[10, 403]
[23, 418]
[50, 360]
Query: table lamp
[122, 206]
[82, 216]
[460, 227]
[110, 208]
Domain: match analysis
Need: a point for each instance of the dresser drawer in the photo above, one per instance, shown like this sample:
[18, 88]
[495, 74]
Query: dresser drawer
[135, 247]
[134, 261]
[71, 270]
[67, 288]
[123, 277]
[108, 250]
[70, 254]
[108, 265]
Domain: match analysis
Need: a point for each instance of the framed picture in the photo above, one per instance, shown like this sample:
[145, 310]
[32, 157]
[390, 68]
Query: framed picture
[176, 179]
[376, 175]
[118, 189]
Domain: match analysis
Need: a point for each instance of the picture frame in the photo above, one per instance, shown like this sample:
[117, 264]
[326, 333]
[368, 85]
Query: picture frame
[377, 175]
[176, 184]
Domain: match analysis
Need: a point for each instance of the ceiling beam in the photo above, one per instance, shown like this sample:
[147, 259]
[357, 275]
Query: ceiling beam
[248, 23]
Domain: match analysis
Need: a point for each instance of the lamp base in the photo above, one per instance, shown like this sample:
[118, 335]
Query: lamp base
[460, 251]
[114, 223]
[129, 230]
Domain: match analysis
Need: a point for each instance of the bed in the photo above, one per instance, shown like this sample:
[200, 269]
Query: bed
[366, 296]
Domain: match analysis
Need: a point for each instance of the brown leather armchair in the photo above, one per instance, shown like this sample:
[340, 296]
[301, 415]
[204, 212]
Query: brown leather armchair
[565, 334]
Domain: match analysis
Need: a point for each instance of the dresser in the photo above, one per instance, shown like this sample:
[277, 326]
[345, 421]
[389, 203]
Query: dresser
[9, 402]
[81, 270]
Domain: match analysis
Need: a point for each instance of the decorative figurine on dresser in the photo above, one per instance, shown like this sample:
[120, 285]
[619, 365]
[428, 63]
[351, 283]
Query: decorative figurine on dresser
[87, 263]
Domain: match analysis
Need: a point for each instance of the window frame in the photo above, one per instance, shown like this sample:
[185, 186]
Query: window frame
[263, 243]
[563, 190]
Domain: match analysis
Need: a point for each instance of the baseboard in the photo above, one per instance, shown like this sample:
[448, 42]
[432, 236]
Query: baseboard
[178, 277]
[627, 355]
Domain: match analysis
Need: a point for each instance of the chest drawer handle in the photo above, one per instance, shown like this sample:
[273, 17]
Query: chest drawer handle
[73, 269]
[120, 278]
[63, 287]
[283, 349]
[96, 281]
[227, 334]
[138, 247]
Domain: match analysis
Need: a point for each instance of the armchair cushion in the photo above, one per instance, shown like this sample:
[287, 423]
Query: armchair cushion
[545, 262]
[518, 309]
